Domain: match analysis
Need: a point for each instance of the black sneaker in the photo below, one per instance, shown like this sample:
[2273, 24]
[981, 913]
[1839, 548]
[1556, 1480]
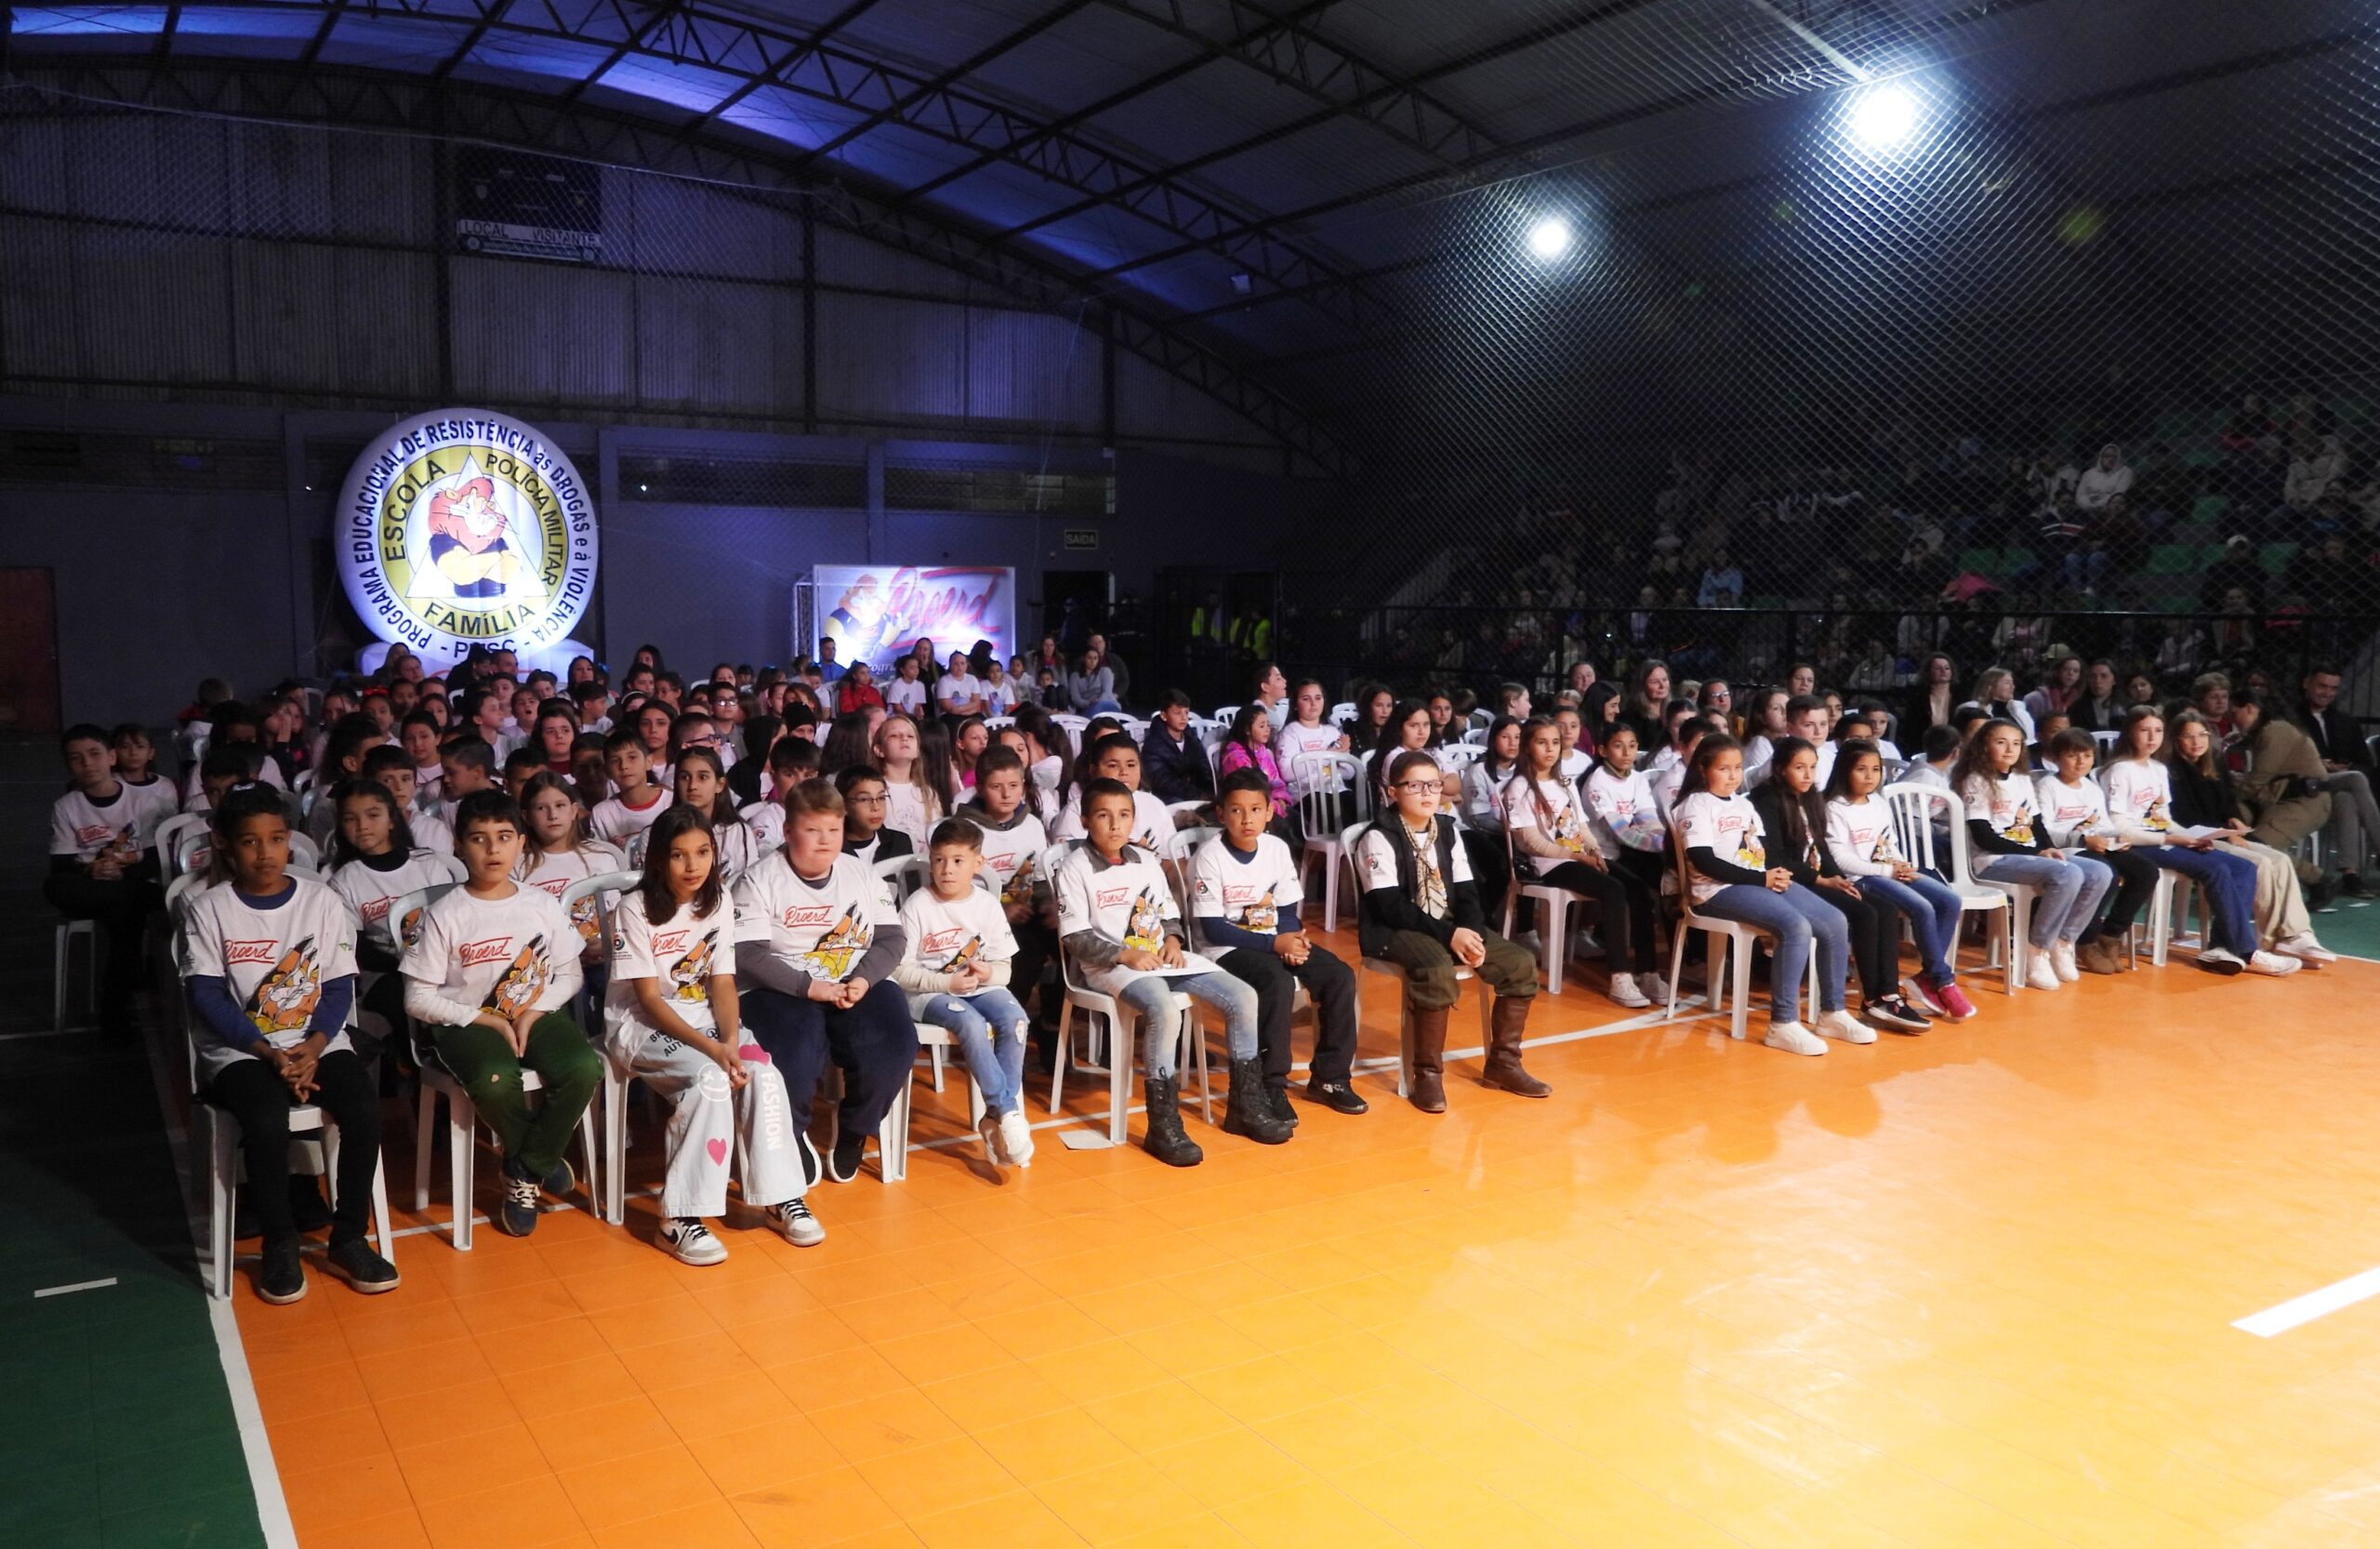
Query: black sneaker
[1276, 1100]
[308, 1211]
[812, 1168]
[843, 1166]
[1338, 1096]
[518, 1215]
[280, 1280]
[561, 1181]
[363, 1269]
[2351, 884]
[2322, 894]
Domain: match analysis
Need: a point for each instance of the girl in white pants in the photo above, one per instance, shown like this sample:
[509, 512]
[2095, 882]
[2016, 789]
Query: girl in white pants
[672, 1022]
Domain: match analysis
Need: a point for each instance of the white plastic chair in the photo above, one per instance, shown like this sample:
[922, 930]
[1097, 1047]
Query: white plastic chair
[1342, 713]
[304, 788]
[1120, 1024]
[1073, 725]
[996, 724]
[1911, 808]
[1727, 969]
[1323, 782]
[462, 1117]
[1554, 906]
[1454, 757]
[67, 930]
[1225, 715]
[302, 851]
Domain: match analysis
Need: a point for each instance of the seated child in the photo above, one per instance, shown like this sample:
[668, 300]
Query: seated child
[490, 981]
[1244, 894]
[103, 862]
[955, 966]
[268, 965]
[1422, 911]
[867, 799]
[1014, 841]
[672, 1020]
[636, 801]
[393, 768]
[373, 864]
[1117, 915]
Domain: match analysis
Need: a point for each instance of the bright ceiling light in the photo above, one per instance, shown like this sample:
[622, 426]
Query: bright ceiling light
[1549, 238]
[1885, 117]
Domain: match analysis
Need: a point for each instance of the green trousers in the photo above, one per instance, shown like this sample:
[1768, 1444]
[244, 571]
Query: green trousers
[480, 1059]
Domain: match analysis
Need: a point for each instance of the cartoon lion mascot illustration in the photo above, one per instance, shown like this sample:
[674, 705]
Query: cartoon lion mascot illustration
[284, 999]
[690, 976]
[522, 982]
[1144, 927]
[856, 622]
[467, 537]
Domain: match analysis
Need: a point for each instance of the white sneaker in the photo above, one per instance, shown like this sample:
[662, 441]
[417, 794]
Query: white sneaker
[1793, 1039]
[2303, 947]
[2218, 960]
[1016, 1137]
[2061, 959]
[800, 1226]
[1653, 988]
[1624, 991]
[2273, 963]
[987, 1129]
[690, 1242]
[2038, 972]
[1844, 1026]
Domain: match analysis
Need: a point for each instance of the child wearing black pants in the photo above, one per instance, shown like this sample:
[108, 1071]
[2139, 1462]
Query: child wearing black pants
[1244, 893]
[103, 862]
[267, 963]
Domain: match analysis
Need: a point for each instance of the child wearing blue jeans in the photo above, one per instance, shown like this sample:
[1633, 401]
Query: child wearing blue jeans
[1726, 849]
[955, 968]
[2009, 841]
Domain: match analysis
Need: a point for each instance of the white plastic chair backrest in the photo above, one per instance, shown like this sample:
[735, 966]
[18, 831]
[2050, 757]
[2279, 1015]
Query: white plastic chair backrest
[1225, 713]
[1482, 719]
[1911, 808]
[1320, 779]
[170, 834]
[999, 722]
[1135, 728]
[1181, 845]
[605, 887]
[188, 847]
[1475, 737]
[404, 915]
[1460, 755]
[302, 851]
[176, 890]
[1074, 724]
[907, 873]
[751, 810]
[2107, 741]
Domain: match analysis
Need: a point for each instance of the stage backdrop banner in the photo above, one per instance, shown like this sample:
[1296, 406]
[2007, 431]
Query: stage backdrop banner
[463, 527]
[875, 613]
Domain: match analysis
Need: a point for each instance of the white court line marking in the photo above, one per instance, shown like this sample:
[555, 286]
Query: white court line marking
[2300, 1310]
[69, 1291]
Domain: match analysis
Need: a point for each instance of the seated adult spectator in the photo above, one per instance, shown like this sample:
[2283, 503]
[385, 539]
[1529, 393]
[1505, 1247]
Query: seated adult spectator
[1932, 700]
[2061, 686]
[2099, 707]
[2283, 784]
[2108, 475]
[2237, 569]
[1091, 688]
[2346, 757]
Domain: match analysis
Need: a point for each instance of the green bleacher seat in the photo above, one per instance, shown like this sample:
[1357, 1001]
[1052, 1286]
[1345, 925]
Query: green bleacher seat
[1982, 562]
[2172, 559]
[2202, 456]
[2018, 559]
[2210, 508]
[2274, 558]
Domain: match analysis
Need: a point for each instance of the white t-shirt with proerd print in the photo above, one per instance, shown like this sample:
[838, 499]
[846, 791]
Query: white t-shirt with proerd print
[370, 893]
[682, 952]
[1620, 804]
[1011, 856]
[273, 961]
[1729, 828]
[1248, 892]
[1151, 823]
[504, 955]
[2140, 799]
[1129, 901]
[822, 929]
[2070, 813]
[555, 871]
[945, 935]
[1563, 821]
[906, 694]
[2006, 803]
[82, 827]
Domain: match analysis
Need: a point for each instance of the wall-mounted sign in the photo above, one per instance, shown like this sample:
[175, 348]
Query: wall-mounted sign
[462, 528]
[1082, 538]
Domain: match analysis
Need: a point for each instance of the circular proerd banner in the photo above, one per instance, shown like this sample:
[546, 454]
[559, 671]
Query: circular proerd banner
[463, 527]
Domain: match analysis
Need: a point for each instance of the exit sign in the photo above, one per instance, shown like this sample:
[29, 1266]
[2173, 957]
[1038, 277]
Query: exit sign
[1082, 538]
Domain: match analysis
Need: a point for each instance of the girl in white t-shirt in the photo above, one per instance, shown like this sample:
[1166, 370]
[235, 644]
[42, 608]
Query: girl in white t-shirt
[373, 864]
[2140, 801]
[1306, 730]
[958, 691]
[1859, 837]
[957, 953]
[906, 692]
[559, 851]
[915, 800]
[1555, 839]
[1730, 877]
[2074, 815]
[1407, 730]
[672, 1021]
[2005, 839]
[1114, 758]
[268, 966]
[702, 784]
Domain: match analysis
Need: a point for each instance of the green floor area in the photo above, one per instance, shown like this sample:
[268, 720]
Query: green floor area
[116, 1426]
[2351, 925]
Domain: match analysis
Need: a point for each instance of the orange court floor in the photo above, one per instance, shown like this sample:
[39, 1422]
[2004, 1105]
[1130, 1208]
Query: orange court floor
[1974, 1288]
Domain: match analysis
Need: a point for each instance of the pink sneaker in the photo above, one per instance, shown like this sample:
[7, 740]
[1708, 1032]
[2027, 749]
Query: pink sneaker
[1954, 1001]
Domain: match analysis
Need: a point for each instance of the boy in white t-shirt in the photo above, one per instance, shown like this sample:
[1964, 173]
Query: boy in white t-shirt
[1244, 894]
[955, 966]
[640, 802]
[103, 861]
[1116, 916]
[490, 981]
[816, 936]
[1014, 843]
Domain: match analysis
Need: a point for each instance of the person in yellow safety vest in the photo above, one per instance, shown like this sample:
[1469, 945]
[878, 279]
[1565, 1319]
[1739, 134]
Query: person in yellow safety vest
[1254, 635]
[1207, 621]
